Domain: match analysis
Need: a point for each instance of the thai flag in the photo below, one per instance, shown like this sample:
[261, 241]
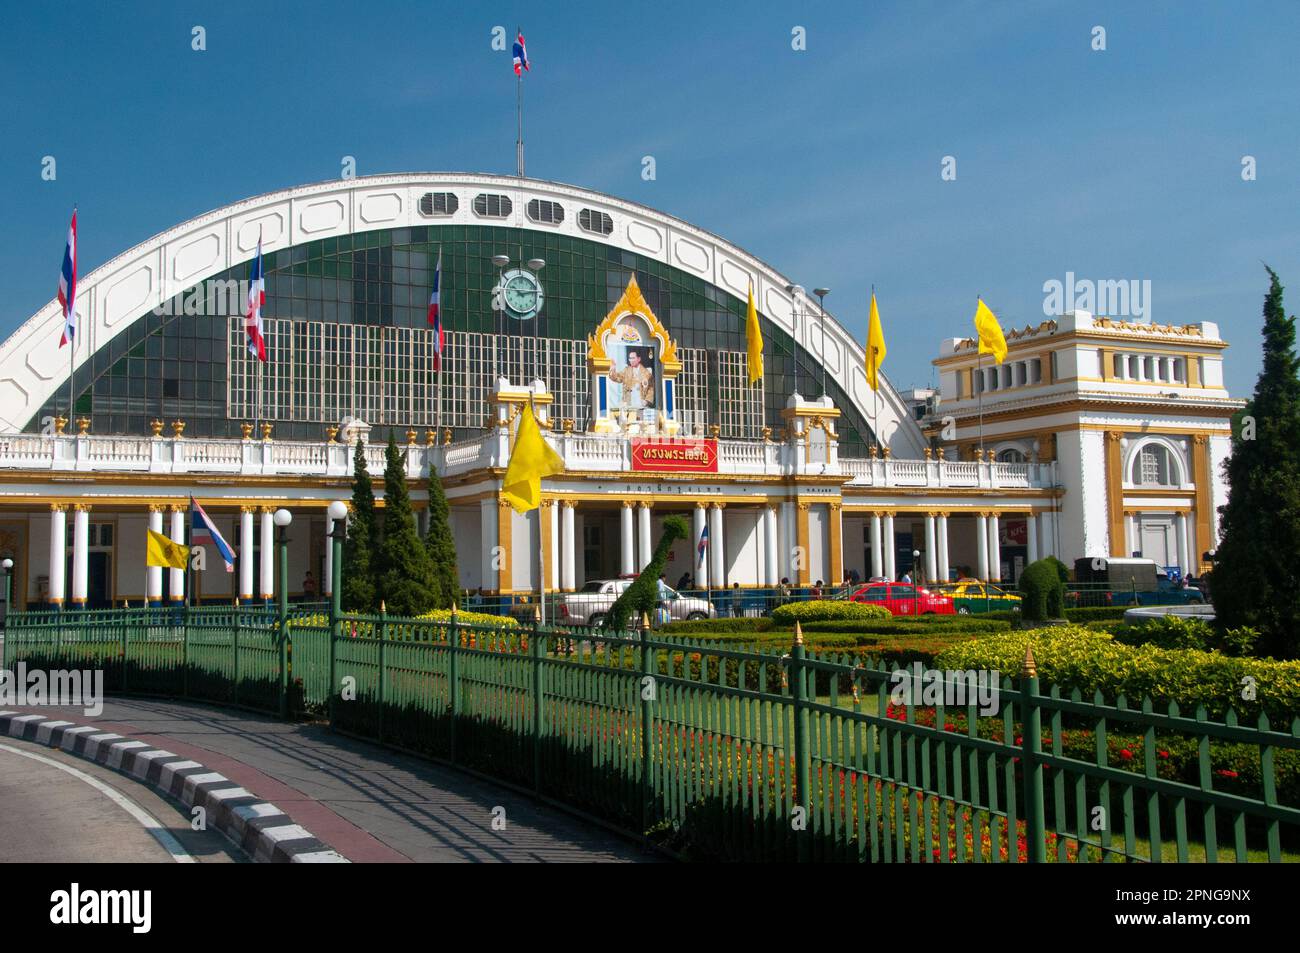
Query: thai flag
[253, 310]
[202, 531]
[521, 55]
[435, 319]
[704, 543]
[68, 284]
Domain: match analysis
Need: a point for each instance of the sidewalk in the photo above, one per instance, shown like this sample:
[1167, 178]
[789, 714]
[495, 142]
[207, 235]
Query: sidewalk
[368, 803]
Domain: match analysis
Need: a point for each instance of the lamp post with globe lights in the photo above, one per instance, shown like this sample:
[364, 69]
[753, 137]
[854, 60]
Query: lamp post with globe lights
[7, 564]
[338, 512]
[282, 518]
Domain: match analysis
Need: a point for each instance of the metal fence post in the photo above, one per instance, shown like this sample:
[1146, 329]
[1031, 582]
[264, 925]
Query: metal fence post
[453, 650]
[1031, 749]
[535, 653]
[283, 543]
[647, 716]
[383, 637]
[802, 763]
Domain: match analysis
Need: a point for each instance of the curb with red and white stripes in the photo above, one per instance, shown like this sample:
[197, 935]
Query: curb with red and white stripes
[262, 830]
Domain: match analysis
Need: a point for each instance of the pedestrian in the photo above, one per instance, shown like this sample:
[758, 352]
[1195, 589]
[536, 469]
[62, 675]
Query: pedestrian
[783, 591]
[686, 582]
[736, 610]
[308, 587]
[906, 577]
[816, 590]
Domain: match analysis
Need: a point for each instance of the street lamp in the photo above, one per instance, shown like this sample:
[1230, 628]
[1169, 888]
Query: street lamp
[338, 514]
[916, 578]
[821, 294]
[796, 292]
[7, 565]
[282, 518]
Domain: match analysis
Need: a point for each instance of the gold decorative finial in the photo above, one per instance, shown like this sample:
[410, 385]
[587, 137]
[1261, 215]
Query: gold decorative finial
[331, 433]
[410, 437]
[430, 438]
[1029, 668]
[59, 423]
[266, 431]
[645, 620]
[83, 425]
[798, 633]
[156, 426]
[453, 610]
[247, 430]
[178, 428]
[537, 614]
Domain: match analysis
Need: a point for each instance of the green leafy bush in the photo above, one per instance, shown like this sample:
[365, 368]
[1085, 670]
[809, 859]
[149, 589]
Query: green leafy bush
[706, 627]
[1182, 632]
[922, 625]
[1074, 657]
[817, 610]
[471, 618]
[1042, 591]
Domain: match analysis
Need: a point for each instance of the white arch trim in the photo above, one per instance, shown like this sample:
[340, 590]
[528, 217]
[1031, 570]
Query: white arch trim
[33, 367]
[1180, 466]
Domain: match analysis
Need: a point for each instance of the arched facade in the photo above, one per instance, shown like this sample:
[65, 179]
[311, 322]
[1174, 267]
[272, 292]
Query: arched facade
[360, 253]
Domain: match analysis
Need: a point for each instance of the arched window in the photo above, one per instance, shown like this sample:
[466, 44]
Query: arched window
[1011, 455]
[1152, 467]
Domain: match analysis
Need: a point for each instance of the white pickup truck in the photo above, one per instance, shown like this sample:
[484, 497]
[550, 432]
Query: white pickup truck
[589, 604]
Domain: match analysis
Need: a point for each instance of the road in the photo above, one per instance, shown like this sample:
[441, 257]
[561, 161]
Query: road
[57, 808]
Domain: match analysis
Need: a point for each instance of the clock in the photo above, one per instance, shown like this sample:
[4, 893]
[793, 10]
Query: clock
[519, 294]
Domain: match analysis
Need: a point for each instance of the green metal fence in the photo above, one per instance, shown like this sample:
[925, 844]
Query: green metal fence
[716, 752]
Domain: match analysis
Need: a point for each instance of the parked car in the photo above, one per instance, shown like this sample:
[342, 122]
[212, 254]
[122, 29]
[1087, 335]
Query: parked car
[972, 596]
[1126, 582]
[904, 598]
[589, 604]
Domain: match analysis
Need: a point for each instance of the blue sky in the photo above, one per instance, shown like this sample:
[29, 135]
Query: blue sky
[1122, 164]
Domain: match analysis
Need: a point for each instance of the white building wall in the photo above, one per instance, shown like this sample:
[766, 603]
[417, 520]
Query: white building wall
[1082, 469]
[854, 544]
[743, 551]
[524, 529]
[1220, 449]
[467, 530]
[38, 557]
[129, 554]
[819, 566]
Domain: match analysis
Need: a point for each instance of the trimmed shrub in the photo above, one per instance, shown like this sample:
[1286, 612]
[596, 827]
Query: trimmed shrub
[1042, 591]
[707, 627]
[471, 618]
[913, 626]
[1073, 657]
[1096, 614]
[817, 610]
[1182, 632]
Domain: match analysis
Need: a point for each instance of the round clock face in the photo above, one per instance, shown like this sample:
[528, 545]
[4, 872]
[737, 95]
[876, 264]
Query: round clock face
[521, 293]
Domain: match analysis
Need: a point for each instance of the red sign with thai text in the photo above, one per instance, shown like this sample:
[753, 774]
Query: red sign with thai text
[687, 455]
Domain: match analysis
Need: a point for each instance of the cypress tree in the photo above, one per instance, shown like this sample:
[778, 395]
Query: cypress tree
[441, 546]
[405, 576]
[358, 571]
[1256, 577]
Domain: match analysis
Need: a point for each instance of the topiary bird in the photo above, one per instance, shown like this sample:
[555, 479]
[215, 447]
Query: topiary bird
[643, 595]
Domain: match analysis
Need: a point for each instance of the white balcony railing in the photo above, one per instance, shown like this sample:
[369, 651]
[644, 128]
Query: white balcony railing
[581, 452]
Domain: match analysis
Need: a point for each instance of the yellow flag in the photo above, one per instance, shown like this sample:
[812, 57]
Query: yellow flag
[875, 346]
[531, 460]
[161, 551]
[990, 332]
[754, 338]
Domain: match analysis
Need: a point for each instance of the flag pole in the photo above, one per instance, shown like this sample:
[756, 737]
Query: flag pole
[979, 369]
[72, 313]
[519, 114]
[875, 366]
[442, 357]
[541, 536]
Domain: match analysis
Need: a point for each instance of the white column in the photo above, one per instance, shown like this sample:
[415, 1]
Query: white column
[877, 557]
[770, 545]
[995, 549]
[1133, 533]
[488, 516]
[553, 545]
[890, 547]
[942, 529]
[789, 539]
[982, 534]
[568, 547]
[701, 568]
[153, 574]
[1031, 536]
[58, 551]
[246, 553]
[643, 536]
[1046, 546]
[718, 571]
[931, 545]
[80, 553]
[327, 584]
[1180, 529]
[176, 577]
[268, 554]
[625, 527]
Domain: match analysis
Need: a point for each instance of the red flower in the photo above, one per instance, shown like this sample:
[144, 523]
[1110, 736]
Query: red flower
[1162, 753]
[1126, 754]
[1226, 773]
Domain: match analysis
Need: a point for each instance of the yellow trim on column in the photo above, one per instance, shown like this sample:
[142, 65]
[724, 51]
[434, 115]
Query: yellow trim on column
[1201, 474]
[505, 532]
[801, 537]
[1115, 491]
[837, 542]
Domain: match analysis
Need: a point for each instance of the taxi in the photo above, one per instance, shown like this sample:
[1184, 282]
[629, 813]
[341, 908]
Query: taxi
[972, 596]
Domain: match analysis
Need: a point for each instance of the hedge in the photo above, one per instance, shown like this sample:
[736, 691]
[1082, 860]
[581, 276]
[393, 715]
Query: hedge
[817, 610]
[1075, 657]
[707, 627]
[904, 649]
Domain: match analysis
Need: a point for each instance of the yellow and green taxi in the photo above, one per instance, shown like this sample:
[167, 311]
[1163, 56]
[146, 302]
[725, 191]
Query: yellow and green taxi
[972, 596]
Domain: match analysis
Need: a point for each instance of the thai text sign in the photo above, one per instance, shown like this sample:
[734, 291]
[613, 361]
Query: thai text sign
[690, 455]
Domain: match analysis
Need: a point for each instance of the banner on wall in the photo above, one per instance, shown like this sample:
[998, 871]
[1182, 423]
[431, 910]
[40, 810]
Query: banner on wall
[1013, 532]
[657, 454]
